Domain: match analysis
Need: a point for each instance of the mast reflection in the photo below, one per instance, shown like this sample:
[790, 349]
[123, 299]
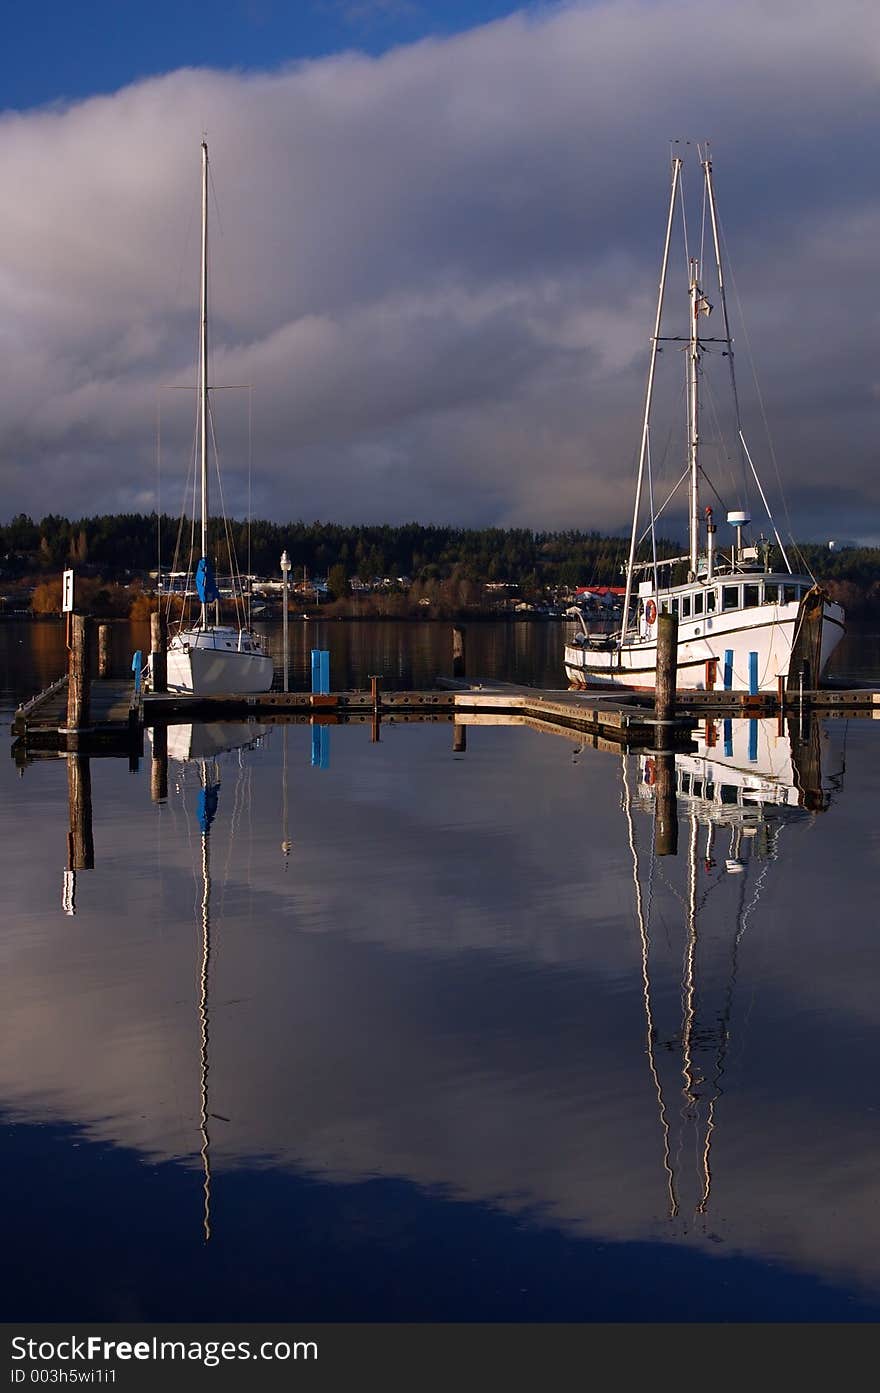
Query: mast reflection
[747, 782]
[202, 747]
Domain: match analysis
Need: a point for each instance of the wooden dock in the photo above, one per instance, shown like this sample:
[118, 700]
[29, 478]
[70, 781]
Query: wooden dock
[118, 716]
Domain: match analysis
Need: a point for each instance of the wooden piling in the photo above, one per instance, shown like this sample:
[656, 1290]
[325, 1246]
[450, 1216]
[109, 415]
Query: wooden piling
[665, 804]
[159, 764]
[459, 651]
[667, 666]
[375, 683]
[459, 738]
[78, 674]
[158, 645]
[80, 846]
[103, 650]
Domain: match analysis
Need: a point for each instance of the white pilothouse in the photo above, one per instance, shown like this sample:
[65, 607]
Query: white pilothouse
[213, 658]
[742, 623]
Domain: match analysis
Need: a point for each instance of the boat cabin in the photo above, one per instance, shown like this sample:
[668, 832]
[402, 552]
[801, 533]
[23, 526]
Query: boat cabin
[723, 596]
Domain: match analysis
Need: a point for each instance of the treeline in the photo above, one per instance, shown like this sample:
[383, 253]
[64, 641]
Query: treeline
[131, 544]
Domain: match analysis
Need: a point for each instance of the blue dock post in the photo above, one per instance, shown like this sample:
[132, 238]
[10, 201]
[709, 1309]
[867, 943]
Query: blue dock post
[728, 738]
[320, 671]
[728, 669]
[753, 674]
[753, 740]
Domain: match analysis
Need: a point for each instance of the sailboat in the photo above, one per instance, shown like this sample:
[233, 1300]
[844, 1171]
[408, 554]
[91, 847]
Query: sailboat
[744, 621]
[207, 657]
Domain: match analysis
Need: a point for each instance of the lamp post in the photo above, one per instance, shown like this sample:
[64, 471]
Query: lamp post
[285, 572]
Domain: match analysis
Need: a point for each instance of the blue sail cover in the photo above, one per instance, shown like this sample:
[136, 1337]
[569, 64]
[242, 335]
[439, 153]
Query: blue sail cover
[206, 585]
[208, 799]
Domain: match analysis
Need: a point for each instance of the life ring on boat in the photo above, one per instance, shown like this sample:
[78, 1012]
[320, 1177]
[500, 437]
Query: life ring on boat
[650, 611]
[650, 771]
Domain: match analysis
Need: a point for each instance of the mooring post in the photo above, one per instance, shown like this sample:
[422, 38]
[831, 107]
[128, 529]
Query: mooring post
[103, 650]
[459, 651]
[158, 657]
[667, 665]
[80, 845]
[665, 804]
[375, 683]
[159, 764]
[78, 675]
[459, 738]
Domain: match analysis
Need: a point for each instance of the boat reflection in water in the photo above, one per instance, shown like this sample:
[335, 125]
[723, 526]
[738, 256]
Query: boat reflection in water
[747, 783]
[199, 751]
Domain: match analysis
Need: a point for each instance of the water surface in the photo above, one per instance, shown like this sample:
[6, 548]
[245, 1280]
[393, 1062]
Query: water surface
[426, 1034]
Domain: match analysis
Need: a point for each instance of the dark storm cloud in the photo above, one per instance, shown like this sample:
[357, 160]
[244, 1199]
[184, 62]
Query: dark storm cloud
[437, 267]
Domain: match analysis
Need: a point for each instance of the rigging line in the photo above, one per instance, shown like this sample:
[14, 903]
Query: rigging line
[668, 499]
[702, 220]
[233, 560]
[249, 494]
[651, 509]
[724, 453]
[757, 384]
[159, 494]
[650, 1032]
[684, 228]
[770, 515]
[727, 1011]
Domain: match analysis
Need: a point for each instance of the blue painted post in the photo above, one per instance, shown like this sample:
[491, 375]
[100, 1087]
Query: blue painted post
[728, 669]
[320, 671]
[320, 747]
[753, 739]
[136, 665]
[753, 674]
[728, 739]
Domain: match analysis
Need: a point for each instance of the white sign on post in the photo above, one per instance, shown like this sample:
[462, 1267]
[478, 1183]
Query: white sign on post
[67, 593]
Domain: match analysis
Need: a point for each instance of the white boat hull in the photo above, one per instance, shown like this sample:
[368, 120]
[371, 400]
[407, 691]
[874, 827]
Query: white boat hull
[212, 663]
[703, 645]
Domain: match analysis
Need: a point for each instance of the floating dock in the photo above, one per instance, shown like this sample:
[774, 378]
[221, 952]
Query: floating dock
[118, 714]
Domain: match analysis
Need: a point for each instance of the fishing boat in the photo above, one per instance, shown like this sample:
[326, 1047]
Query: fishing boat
[746, 619]
[206, 657]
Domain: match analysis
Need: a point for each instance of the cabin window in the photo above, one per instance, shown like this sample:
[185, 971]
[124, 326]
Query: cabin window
[697, 788]
[730, 597]
[698, 604]
[728, 793]
[791, 594]
[750, 596]
[771, 593]
[710, 601]
[664, 606]
[685, 606]
[674, 604]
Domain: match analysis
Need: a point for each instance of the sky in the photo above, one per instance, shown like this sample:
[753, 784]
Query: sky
[435, 243]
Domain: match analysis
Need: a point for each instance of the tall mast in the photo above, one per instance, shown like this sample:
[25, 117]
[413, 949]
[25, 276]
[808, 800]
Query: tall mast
[203, 365]
[649, 392]
[698, 304]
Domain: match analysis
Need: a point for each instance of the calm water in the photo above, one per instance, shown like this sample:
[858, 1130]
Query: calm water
[434, 1035]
